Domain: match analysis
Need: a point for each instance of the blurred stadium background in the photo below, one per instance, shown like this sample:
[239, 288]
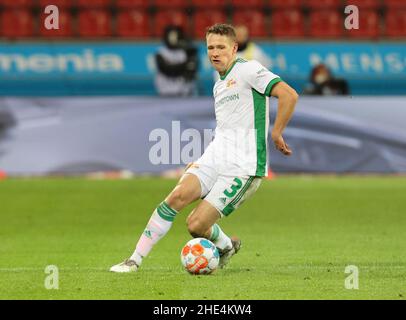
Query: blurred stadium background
[82, 98]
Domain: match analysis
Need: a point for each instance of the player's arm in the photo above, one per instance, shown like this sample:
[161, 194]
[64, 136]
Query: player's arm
[287, 98]
[268, 83]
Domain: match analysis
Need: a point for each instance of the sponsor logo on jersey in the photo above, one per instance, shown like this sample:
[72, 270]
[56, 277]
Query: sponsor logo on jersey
[223, 200]
[228, 99]
[231, 83]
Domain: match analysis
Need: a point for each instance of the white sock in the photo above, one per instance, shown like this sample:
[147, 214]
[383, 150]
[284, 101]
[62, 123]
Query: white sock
[219, 238]
[157, 227]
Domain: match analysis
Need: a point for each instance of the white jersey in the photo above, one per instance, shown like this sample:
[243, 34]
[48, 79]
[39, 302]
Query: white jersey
[240, 145]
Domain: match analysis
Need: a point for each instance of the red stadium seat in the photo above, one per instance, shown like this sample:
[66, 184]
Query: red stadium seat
[58, 3]
[326, 24]
[391, 4]
[396, 23]
[206, 18]
[94, 23]
[93, 3]
[16, 3]
[209, 4]
[285, 4]
[253, 19]
[288, 23]
[65, 26]
[169, 17]
[132, 3]
[171, 4]
[363, 4]
[17, 23]
[133, 24]
[368, 25]
[317, 4]
[255, 4]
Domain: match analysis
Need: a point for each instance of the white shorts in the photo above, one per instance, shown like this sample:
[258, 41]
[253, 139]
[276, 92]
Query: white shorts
[224, 192]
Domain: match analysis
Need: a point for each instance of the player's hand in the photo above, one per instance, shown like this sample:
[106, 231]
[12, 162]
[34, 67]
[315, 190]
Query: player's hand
[281, 145]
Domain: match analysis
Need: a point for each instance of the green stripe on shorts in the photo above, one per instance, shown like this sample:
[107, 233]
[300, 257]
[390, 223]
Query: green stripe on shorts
[231, 206]
[243, 191]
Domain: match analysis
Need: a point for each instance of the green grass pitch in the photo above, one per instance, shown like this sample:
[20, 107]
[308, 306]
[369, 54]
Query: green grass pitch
[298, 233]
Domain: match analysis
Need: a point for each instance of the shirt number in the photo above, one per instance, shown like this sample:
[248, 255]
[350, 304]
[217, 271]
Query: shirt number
[232, 191]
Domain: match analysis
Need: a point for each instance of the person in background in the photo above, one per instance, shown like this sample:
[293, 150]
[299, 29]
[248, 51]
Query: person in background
[322, 82]
[247, 49]
[177, 63]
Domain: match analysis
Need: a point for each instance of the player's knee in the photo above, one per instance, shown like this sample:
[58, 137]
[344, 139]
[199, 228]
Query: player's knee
[196, 227]
[189, 218]
[178, 198]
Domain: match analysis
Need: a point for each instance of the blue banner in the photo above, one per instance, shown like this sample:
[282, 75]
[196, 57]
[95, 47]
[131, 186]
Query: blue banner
[345, 59]
[129, 68]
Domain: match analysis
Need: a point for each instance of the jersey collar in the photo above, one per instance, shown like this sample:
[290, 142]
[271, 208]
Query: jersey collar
[228, 71]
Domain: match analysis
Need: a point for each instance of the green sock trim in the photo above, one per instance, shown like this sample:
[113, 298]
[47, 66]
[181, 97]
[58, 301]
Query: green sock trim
[163, 215]
[168, 208]
[215, 232]
[166, 212]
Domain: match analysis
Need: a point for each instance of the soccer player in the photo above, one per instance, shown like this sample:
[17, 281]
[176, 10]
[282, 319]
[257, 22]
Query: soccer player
[234, 163]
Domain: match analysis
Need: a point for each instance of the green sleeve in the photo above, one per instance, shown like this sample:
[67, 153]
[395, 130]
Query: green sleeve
[270, 86]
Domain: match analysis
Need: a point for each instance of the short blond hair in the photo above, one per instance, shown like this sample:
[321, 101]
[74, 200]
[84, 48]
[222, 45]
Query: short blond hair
[222, 29]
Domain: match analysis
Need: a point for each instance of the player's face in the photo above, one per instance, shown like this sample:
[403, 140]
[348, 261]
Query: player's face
[221, 51]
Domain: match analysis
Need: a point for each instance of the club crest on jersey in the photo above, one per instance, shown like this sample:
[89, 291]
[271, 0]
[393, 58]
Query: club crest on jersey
[230, 83]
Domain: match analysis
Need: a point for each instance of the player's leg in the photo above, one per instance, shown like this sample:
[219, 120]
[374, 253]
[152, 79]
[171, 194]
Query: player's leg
[185, 192]
[201, 219]
[227, 194]
[202, 223]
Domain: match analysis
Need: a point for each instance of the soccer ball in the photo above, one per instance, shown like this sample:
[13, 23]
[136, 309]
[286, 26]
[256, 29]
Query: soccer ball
[200, 256]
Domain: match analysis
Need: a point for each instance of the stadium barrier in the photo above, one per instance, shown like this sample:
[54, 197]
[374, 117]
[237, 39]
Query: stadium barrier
[77, 135]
